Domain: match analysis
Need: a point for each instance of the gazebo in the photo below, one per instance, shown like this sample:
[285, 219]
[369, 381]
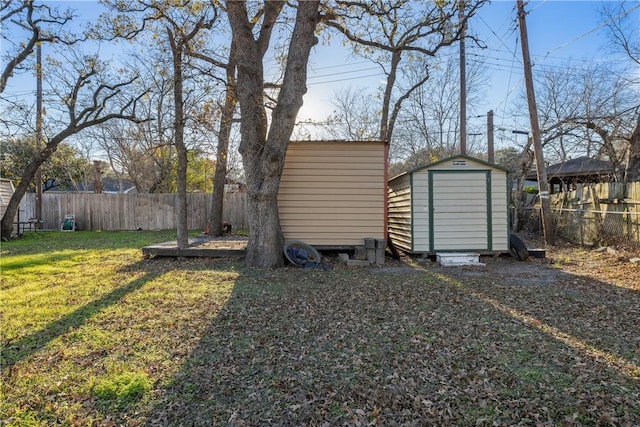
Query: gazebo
[581, 170]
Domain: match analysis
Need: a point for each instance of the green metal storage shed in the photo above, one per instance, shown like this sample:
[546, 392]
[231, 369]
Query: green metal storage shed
[458, 204]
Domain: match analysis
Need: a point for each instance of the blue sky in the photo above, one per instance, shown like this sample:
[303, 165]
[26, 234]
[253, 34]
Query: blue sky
[559, 31]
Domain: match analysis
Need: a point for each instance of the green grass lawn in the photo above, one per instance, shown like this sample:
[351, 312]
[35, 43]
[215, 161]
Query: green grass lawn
[93, 334]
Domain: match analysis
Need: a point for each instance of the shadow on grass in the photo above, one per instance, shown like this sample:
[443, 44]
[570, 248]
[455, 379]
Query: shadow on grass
[298, 347]
[594, 317]
[33, 261]
[82, 240]
[15, 351]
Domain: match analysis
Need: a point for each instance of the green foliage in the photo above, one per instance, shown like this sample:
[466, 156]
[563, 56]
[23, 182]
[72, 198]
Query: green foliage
[530, 189]
[122, 389]
[66, 167]
[200, 170]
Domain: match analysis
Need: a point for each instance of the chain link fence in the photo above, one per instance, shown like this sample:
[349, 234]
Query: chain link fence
[588, 227]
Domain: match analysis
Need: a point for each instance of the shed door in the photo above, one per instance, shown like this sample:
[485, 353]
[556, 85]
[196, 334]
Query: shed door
[460, 217]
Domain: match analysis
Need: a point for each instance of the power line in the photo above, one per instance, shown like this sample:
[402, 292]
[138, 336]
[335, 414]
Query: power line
[581, 36]
[343, 72]
[343, 80]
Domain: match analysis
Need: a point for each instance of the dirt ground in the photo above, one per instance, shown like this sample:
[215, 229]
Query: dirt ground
[618, 266]
[562, 262]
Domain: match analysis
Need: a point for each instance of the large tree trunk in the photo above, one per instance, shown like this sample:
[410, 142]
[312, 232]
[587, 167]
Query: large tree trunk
[181, 176]
[217, 202]
[263, 155]
[385, 135]
[265, 247]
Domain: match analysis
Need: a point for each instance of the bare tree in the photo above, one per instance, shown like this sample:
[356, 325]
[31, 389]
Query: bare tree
[431, 115]
[137, 152]
[624, 36]
[623, 29]
[90, 101]
[587, 111]
[228, 109]
[40, 22]
[183, 27]
[355, 116]
[388, 32]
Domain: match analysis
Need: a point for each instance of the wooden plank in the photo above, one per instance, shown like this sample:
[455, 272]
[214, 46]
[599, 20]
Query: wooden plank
[192, 252]
[130, 211]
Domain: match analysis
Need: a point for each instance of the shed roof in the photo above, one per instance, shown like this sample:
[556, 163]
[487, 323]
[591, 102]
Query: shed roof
[449, 159]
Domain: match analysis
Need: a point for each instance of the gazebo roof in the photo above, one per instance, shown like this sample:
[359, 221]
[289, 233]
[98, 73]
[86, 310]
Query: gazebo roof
[579, 167]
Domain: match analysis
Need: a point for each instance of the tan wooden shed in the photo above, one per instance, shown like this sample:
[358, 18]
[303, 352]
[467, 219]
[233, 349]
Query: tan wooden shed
[458, 204]
[333, 193]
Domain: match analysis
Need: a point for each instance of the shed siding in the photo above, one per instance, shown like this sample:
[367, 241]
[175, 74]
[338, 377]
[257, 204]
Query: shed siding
[499, 210]
[399, 219]
[333, 193]
[421, 211]
[6, 191]
[464, 202]
[459, 210]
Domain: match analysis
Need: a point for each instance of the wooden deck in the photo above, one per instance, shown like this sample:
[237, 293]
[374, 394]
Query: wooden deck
[227, 246]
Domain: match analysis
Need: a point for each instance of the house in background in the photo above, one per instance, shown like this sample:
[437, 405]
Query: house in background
[458, 204]
[582, 170]
[333, 193]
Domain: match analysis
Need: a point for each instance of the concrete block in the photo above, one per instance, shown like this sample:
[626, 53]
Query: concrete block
[358, 263]
[343, 258]
[459, 259]
[370, 246]
[360, 253]
[381, 247]
[371, 255]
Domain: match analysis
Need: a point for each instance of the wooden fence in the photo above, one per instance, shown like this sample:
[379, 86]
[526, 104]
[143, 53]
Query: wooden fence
[131, 211]
[605, 213]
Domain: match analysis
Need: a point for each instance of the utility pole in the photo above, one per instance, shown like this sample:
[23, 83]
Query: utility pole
[463, 81]
[490, 147]
[543, 184]
[38, 175]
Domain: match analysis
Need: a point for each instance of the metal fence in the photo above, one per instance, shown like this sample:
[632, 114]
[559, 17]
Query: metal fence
[593, 214]
[589, 227]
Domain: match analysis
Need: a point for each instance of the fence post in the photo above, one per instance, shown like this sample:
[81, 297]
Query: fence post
[130, 211]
